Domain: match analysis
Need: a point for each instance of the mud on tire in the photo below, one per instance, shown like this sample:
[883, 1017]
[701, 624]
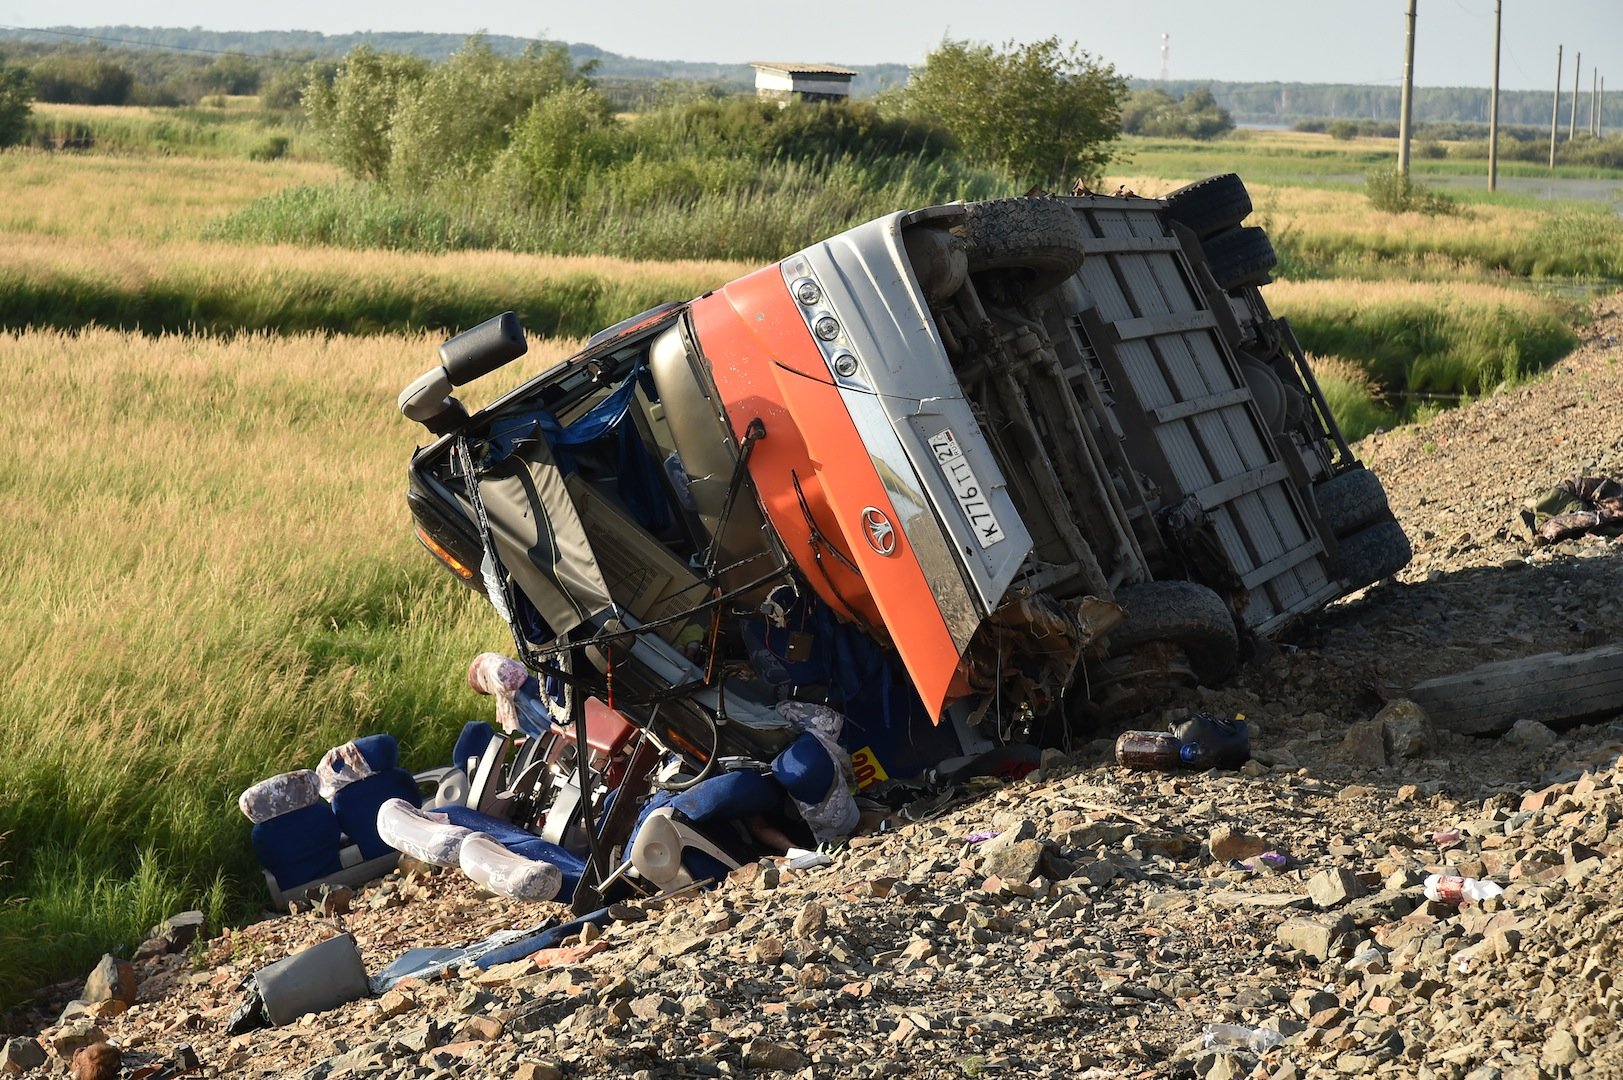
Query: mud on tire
[1351, 500]
[1371, 554]
[1210, 206]
[1184, 614]
[1039, 238]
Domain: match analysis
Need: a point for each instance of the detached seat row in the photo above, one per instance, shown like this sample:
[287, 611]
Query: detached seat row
[315, 827]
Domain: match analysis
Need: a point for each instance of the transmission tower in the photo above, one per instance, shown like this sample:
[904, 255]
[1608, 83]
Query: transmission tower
[1166, 57]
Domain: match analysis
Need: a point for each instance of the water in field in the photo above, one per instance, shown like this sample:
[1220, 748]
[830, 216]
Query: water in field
[1574, 189]
[1555, 188]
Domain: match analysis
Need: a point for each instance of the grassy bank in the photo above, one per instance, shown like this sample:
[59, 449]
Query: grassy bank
[213, 580]
[99, 197]
[1423, 337]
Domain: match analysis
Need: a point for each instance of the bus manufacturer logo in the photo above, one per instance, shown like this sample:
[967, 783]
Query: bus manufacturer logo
[881, 533]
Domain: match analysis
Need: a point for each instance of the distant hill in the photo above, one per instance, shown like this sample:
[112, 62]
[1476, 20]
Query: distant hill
[307, 44]
[1248, 102]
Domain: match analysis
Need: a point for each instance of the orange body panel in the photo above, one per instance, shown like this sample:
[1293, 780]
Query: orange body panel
[767, 365]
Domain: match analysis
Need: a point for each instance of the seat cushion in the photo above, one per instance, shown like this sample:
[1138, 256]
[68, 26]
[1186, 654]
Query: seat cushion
[355, 807]
[356, 760]
[298, 846]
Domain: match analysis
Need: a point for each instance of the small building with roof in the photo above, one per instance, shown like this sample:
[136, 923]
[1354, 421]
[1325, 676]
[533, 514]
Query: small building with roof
[786, 82]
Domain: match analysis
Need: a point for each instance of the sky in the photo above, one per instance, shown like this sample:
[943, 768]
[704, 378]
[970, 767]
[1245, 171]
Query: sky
[1341, 41]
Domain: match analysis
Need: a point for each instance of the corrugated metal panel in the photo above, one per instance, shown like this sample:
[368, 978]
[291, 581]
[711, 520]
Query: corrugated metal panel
[1208, 432]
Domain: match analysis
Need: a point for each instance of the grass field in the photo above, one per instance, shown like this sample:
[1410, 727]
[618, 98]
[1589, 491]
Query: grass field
[212, 580]
[211, 577]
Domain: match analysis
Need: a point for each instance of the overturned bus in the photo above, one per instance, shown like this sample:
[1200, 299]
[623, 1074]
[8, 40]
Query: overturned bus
[974, 476]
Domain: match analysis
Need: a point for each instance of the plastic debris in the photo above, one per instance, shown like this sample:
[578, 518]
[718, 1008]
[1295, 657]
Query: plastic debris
[981, 837]
[1201, 742]
[802, 859]
[1454, 889]
[508, 873]
[1258, 1040]
[1445, 837]
[1371, 959]
[1269, 861]
[421, 834]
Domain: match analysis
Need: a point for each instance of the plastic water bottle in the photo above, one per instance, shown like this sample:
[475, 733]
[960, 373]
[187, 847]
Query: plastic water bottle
[1258, 1040]
[1454, 889]
[1201, 742]
[1221, 742]
[1149, 750]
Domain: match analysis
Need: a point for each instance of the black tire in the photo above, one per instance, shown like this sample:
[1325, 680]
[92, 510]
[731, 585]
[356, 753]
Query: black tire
[1183, 613]
[1350, 501]
[1371, 554]
[1210, 206]
[1040, 239]
[1240, 257]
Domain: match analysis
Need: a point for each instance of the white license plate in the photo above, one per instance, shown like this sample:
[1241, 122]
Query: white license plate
[966, 488]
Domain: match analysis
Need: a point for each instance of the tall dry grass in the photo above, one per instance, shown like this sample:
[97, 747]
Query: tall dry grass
[93, 196]
[210, 578]
[92, 239]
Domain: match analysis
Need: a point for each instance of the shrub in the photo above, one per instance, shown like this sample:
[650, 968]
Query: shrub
[81, 80]
[1194, 116]
[354, 114]
[559, 145]
[1043, 113]
[1343, 129]
[15, 95]
[274, 146]
[454, 123]
[1394, 192]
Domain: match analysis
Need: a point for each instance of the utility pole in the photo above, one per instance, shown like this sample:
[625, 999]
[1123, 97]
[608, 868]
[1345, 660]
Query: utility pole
[1594, 96]
[1555, 106]
[1493, 105]
[1572, 118]
[1408, 94]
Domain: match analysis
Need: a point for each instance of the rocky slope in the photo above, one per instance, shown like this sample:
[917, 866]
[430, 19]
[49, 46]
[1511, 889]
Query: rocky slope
[1092, 921]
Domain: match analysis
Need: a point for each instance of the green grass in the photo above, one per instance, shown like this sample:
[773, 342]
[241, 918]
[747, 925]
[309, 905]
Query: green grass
[228, 299]
[206, 131]
[1357, 403]
[1438, 339]
[213, 579]
[707, 211]
[1288, 157]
